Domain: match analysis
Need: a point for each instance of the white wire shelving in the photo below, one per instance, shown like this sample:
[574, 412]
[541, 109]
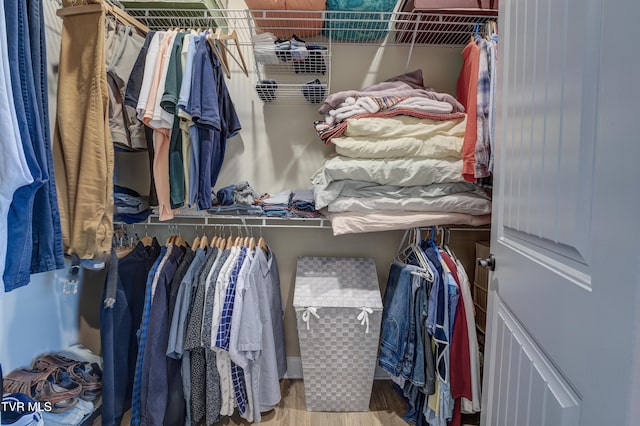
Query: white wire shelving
[323, 30]
[200, 219]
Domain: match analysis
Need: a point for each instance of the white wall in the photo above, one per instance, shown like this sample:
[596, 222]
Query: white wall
[37, 318]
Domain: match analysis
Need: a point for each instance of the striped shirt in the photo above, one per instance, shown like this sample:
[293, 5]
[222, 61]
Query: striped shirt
[142, 341]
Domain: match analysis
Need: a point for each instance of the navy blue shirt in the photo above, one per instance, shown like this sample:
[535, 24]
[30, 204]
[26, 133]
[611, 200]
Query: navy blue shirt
[214, 116]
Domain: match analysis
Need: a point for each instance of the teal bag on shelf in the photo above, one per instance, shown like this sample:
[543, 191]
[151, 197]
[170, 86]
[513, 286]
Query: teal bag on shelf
[341, 24]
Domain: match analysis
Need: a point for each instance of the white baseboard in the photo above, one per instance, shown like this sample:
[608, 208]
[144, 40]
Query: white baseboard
[294, 370]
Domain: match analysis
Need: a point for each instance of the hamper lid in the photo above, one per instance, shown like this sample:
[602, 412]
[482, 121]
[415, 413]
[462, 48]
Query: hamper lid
[336, 282]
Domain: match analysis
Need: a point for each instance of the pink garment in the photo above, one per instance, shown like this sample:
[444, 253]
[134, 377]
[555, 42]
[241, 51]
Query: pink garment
[467, 89]
[161, 135]
[390, 88]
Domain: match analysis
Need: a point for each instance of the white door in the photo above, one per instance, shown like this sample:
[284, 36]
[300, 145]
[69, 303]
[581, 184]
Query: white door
[563, 343]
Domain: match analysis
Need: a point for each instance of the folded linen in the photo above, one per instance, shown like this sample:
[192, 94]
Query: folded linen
[361, 189]
[395, 171]
[463, 202]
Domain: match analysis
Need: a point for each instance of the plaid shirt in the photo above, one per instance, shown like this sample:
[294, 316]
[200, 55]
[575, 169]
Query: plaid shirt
[142, 341]
[239, 387]
[483, 148]
[224, 332]
[224, 329]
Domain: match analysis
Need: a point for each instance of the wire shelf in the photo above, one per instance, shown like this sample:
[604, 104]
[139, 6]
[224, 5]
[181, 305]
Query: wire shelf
[194, 218]
[446, 29]
[297, 93]
[302, 75]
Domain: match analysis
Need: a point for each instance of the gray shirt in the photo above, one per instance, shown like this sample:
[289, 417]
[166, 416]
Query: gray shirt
[259, 348]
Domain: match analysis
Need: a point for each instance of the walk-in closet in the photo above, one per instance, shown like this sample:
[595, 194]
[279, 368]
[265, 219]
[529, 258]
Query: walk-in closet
[319, 212]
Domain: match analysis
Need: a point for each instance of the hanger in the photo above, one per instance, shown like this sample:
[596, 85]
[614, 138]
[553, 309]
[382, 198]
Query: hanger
[146, 240]
[196, 240]
[204, 242]
[81, 9]
[220, 54]
[262, 243]
[233, 35]
[252, 241]
[403, 255]
[446, 245]
[124, 16]
[230, 241]
[172, 237]
[218, 43]
[179, 239]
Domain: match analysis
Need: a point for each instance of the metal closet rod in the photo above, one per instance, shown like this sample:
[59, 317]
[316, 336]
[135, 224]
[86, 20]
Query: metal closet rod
[262, 223]
[236, 222]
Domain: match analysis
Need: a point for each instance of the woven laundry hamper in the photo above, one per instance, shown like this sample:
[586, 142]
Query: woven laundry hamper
[339, 311]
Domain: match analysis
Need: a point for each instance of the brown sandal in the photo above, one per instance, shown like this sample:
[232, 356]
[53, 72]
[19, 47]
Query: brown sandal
[88, 375]
[53, 386]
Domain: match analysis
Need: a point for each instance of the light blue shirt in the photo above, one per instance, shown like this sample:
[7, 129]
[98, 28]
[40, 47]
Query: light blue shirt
[185, 88]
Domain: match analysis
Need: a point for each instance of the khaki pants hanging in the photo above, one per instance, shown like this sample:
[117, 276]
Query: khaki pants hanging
[82, 148]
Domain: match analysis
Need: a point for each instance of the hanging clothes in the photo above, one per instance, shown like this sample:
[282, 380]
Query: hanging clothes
[179, 91]
[120, 317]
[83, 154]
[468, 96]
[14, 172]
[426, 339]
[200, 334]
[33, 241]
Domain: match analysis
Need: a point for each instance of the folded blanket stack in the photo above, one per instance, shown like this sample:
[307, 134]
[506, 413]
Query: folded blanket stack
[399, 149]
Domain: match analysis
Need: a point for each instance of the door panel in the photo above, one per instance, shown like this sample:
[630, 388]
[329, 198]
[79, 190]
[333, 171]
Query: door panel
[565, 234]
[550, 150]
[531, 390]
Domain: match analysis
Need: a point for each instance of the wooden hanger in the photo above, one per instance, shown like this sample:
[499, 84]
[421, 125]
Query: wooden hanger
[196, 241]
[263, 245]
[222, 50]
[125, 17]
[81, 9]
[204, 243]
[146, 241]
[180, 241]
[252, 243]
[220, 54]
[229, 242]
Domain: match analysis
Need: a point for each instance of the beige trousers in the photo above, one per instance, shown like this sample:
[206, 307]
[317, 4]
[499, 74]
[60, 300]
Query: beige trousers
[82, 147]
